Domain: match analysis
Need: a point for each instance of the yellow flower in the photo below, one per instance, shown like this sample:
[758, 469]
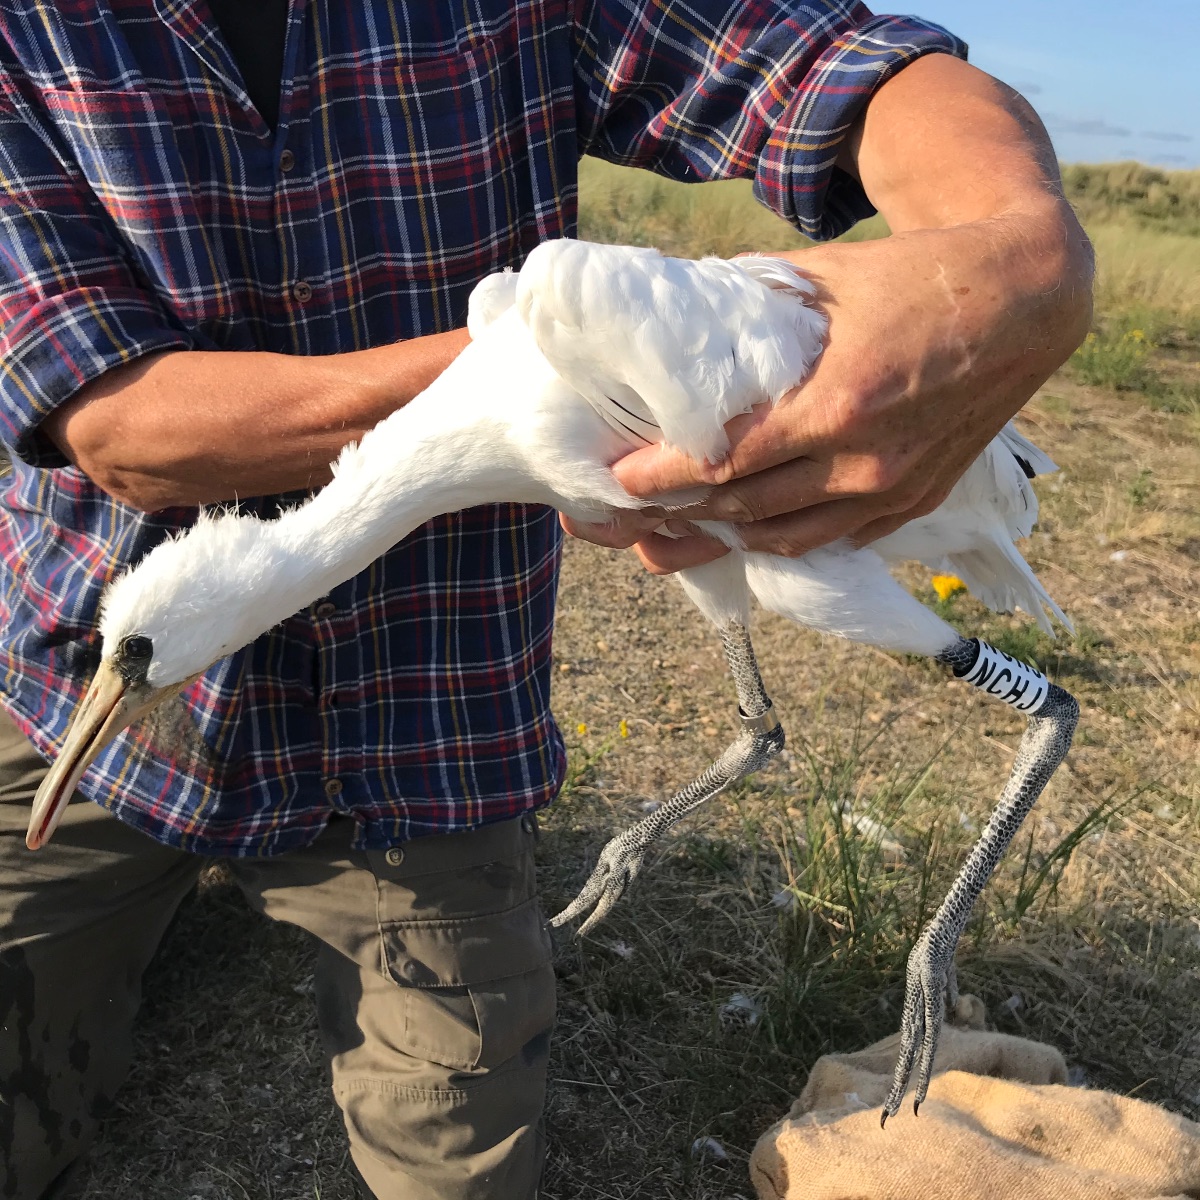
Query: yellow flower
[623, 727]
[1091, 337]
[947, 585]
[581, 729]
[1137, 335]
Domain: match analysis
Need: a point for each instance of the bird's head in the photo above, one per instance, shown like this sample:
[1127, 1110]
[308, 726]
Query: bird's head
[162, 625]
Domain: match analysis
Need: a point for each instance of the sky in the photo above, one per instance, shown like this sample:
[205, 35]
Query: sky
[1112, 79]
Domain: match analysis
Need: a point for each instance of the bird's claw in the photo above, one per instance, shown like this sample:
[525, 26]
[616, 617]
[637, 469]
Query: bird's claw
[931, 981]
[617, 867]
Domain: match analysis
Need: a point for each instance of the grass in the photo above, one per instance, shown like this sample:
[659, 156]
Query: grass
[640, 209]
[1118, 361]
[1150, 278]
[1145, 225]
[1146, 336]
[802, 890]
[1121, 357]
[1134, 195]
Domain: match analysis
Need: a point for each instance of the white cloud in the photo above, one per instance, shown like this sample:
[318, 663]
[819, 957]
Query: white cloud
[1160, 135]
[1088, 126]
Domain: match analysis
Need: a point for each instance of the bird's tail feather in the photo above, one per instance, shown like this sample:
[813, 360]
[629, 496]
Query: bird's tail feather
[997, 575]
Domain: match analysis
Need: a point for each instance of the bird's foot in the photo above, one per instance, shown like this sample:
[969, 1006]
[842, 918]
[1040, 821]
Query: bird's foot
[931, 984]
[618, 866]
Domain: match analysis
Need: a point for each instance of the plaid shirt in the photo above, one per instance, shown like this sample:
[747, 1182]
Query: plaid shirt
[146, 206]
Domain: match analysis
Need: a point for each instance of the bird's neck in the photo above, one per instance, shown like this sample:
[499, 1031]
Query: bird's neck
[444, 451]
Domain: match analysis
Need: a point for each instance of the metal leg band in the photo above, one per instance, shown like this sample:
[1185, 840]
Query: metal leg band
[763, 723]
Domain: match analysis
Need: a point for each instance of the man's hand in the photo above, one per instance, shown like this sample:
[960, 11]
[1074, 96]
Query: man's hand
[938, 334]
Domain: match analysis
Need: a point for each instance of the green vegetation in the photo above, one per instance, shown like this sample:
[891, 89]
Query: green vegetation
[1114, 360]
[1124, 359]
[1145, 225]
[1146, 332]
[1151, 277]
[640, 209]
[1142, 489]
[1130, 194]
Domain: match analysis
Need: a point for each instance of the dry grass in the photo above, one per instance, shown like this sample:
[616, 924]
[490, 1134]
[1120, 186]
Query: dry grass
[1133, 194]
[1147, 271]
[640, 209]
[1089, 937]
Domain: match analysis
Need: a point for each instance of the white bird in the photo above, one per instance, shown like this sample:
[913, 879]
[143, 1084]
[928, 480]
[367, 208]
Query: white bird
[587, 353]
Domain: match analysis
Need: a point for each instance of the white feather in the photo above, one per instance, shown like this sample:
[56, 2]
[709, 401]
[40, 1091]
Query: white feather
[666, 348]
[490, 299]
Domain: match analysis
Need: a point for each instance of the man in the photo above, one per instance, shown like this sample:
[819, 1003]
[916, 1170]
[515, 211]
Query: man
[237, 236]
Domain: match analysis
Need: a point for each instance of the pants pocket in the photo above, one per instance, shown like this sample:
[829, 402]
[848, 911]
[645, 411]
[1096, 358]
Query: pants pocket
[477, 990]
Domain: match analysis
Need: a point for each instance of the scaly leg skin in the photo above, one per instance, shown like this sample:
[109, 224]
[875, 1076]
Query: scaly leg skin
[760, 740]
[1053, 715]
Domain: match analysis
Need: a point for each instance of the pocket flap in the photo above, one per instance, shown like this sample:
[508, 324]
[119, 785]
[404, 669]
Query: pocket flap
[465, 951]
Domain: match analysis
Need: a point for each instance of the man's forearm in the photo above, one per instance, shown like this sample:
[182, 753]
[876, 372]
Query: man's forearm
[196, 427]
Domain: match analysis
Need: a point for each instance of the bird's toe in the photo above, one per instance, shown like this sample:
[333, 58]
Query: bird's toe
[929, 984]
[912, 1034]
[618, 865]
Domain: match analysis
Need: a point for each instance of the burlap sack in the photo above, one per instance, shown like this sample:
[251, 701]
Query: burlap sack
[998, 1123]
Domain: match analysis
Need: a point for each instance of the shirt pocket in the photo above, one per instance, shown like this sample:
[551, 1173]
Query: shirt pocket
[415, 103]
[476, 990]
[124, 144]
[440, 135]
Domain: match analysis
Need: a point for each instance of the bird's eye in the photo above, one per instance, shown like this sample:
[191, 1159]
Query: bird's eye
[137, 647]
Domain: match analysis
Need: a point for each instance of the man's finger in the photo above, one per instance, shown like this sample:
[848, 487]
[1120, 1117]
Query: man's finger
[757, 440]
[663, 555]
[797, 533]
[771, 493]
[618, 534]
[660, 469]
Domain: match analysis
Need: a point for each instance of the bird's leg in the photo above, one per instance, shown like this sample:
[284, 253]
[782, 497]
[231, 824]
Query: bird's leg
[1053, 714]
[760, 740]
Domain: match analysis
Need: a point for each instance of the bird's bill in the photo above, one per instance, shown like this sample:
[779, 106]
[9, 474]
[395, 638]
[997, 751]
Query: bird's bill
[107, 708]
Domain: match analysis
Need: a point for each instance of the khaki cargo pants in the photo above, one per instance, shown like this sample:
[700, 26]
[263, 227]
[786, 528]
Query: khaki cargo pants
[435, 994]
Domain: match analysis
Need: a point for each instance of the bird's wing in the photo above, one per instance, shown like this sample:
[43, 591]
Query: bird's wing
[669, 349]
[971, 533]
[999, 483]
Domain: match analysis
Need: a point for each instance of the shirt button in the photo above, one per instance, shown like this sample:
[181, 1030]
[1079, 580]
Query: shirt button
[287, 160]
[333, 787]
[325, 609]
[394, 857]
[302, 292]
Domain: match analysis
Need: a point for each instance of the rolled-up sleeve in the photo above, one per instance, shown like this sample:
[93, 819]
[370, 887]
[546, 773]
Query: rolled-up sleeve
[71, 306]
[765, 89]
